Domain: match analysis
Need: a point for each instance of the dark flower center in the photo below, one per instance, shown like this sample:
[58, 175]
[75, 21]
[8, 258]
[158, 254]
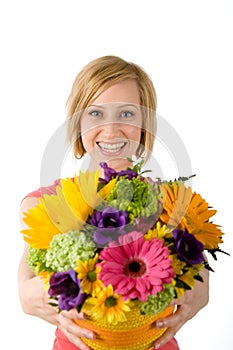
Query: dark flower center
[135, 268]
[110, 302]
[91, 276]
[72, 288]
[186, 247]
[109, 222]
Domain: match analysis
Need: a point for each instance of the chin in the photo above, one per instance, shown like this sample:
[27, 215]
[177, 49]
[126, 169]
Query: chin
[118, 163]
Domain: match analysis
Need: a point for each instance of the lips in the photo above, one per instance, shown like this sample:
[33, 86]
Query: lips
[111, 147]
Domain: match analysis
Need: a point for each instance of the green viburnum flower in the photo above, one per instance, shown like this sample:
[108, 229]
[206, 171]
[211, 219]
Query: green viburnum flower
[36, 258]
[136, 197]
[65, 249]
[159, 302]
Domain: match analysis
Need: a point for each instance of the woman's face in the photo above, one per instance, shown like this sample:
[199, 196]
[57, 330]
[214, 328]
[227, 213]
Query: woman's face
[111, 125]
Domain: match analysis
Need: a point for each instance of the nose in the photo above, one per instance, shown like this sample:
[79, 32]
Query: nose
[110, 130]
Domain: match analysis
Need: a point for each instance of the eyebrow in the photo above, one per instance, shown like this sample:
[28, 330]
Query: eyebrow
[96, 106]
[130, 105]
[120, 106]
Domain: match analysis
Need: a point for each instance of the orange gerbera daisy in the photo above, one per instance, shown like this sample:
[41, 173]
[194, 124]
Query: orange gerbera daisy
[186, 209]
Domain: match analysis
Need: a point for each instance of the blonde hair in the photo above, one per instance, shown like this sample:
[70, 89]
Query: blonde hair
[96, 77]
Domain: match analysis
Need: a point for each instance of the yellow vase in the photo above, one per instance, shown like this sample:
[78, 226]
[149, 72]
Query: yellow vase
[137, 333]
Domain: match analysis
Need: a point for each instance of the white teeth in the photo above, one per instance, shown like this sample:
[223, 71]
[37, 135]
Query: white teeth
[111, 147]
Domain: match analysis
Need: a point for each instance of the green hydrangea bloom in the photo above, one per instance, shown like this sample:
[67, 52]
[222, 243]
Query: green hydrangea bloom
[159, 302]
[36, 258]
[65, 249]
[137, 197]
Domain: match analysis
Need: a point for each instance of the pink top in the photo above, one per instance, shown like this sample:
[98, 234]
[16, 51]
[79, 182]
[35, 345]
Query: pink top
[44, 190]
[61, 342]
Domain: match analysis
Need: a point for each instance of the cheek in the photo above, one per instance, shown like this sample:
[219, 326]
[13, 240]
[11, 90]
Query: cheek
[134, 134]
[87, 133]
[88, 138]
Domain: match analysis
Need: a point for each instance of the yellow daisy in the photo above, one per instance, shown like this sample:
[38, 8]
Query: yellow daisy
[187, 277]
[160, 232]
[107, 306]
[177, 264]
[179, 291]
[184, 209]
[88, 274]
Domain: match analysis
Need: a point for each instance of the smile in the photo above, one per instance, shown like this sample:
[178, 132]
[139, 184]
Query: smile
[111, 147]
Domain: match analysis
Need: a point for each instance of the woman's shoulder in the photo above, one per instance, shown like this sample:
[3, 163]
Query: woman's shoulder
[39, 192]
[32, 198]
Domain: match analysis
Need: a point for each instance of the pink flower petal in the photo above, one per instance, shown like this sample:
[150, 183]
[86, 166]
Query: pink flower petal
[156, 271]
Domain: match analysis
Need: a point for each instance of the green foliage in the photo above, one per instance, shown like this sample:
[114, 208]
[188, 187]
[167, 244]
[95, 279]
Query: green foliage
[136, 197]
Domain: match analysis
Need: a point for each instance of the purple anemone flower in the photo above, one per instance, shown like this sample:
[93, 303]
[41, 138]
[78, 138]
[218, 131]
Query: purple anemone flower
[188, 248]
[110, 173]
[66, 286]
[110, 223]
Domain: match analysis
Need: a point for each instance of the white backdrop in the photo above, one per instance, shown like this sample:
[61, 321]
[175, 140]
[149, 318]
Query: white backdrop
[186, 47]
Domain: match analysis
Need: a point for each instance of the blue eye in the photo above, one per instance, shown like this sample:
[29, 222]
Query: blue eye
[95, 113]
[126, 114]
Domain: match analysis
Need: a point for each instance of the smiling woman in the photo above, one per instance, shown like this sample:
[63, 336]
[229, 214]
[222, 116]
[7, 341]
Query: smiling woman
[111, 114]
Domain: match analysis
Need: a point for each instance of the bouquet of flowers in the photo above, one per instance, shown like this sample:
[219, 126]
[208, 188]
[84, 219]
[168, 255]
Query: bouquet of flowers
[120, 248]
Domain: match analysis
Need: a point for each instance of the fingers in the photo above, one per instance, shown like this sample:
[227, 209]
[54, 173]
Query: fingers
[73, 314]
[73, 335]
[173, 324]
[171, 321]
[191, 302]
[182, 300]
[72, 331]
[166, 337]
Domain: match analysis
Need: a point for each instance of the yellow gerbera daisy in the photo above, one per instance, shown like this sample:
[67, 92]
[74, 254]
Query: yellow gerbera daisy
[64, 211]
[41, 229]
[88, 274]
[107, 306]
[182, 208]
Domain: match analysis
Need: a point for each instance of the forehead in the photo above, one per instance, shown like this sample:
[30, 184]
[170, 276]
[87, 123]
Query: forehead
[126, 91]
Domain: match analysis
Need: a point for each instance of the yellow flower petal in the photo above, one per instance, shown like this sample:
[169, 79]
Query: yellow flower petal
[100, 307]
[89, 286]
[160, 231]
[41, 228]
[64, 211]
[76, 204]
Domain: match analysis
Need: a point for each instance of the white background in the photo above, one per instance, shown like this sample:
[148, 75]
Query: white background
[186, 47]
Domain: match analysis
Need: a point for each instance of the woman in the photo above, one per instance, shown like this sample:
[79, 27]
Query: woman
[111, 113]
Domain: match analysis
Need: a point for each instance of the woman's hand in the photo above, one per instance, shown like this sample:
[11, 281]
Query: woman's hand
[72, 331]
[187, 307]
[35, 301]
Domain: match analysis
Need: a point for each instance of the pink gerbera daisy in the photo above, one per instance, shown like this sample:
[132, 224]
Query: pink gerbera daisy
[136, 267]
